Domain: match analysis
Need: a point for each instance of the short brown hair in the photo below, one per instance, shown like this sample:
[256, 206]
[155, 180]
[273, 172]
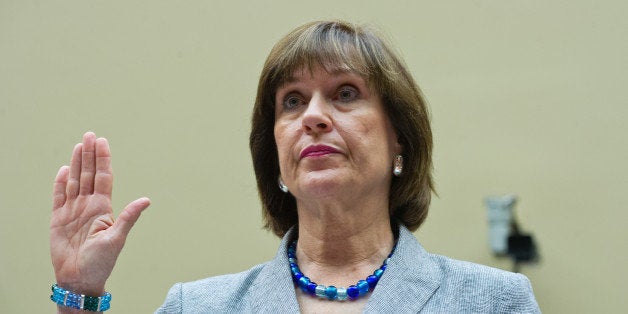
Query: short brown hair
[341, 45]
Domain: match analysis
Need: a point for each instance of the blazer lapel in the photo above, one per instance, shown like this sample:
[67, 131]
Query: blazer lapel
[409, 281]
[273, 289]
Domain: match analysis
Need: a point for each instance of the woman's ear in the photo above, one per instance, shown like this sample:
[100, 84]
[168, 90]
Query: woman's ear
[398, 147]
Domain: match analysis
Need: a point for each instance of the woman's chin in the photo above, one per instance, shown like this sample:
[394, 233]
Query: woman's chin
[323, 183]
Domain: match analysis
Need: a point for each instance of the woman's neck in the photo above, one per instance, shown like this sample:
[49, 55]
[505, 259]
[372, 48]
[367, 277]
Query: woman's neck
[339, 245]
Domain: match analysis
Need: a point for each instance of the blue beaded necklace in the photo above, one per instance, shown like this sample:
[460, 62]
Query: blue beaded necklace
[362, 287]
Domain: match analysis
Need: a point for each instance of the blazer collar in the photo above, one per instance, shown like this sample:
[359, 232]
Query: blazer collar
[273, 290]
[409, 281]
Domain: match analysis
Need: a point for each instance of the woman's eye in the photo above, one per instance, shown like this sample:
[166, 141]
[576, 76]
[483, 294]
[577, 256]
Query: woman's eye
[347, 94]
[292, 102]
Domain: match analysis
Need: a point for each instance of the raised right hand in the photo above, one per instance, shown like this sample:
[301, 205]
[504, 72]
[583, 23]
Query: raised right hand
[85, 239]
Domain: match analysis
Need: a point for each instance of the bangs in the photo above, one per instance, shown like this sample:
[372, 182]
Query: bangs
[332, 47]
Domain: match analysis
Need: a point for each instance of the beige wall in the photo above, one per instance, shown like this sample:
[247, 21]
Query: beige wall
[526, 97]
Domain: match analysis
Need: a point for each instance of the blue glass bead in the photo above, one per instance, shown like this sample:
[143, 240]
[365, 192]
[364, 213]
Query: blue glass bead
[383, 267]
[292, 260]
[363, 287]
[331, 292]
[353, 292]
[105, 302]
[311, 288]
[386, 261]
[341, 294]
[320, 291]
[58, 295]
[73, 300]
[303, 282]
[294, 269]
[378, 272]
[372, 280]
[297, 277]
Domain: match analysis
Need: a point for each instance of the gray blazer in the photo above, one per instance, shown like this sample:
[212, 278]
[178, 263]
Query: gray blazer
[414, 281]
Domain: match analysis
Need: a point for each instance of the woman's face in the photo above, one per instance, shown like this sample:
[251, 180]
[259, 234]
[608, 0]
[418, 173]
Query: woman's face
[332, 135]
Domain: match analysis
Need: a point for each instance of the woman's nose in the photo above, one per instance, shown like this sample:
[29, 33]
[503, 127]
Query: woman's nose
[316, 117]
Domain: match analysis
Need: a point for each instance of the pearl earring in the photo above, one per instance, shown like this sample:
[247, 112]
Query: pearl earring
[398, 165]
[282, 186]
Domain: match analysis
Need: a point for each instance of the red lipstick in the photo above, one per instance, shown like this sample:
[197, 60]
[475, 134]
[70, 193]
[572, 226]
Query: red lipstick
[318, 150]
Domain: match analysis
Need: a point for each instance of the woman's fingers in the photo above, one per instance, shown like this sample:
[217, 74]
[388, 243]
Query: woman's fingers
[129, 216]
[88, 164]
[72, 187]
[89, 172]
[59, 188]
[90, 168]
[103, 181]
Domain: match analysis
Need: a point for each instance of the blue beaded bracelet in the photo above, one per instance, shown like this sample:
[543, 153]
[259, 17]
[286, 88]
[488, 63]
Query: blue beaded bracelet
[80, 301]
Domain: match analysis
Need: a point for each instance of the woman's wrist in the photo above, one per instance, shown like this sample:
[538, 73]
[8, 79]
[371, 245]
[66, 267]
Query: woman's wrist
[85, 288]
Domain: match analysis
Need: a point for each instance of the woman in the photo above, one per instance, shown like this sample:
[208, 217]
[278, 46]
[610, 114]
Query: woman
[344, 177]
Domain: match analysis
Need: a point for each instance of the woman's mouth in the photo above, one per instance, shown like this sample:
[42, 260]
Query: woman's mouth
[317, 150]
